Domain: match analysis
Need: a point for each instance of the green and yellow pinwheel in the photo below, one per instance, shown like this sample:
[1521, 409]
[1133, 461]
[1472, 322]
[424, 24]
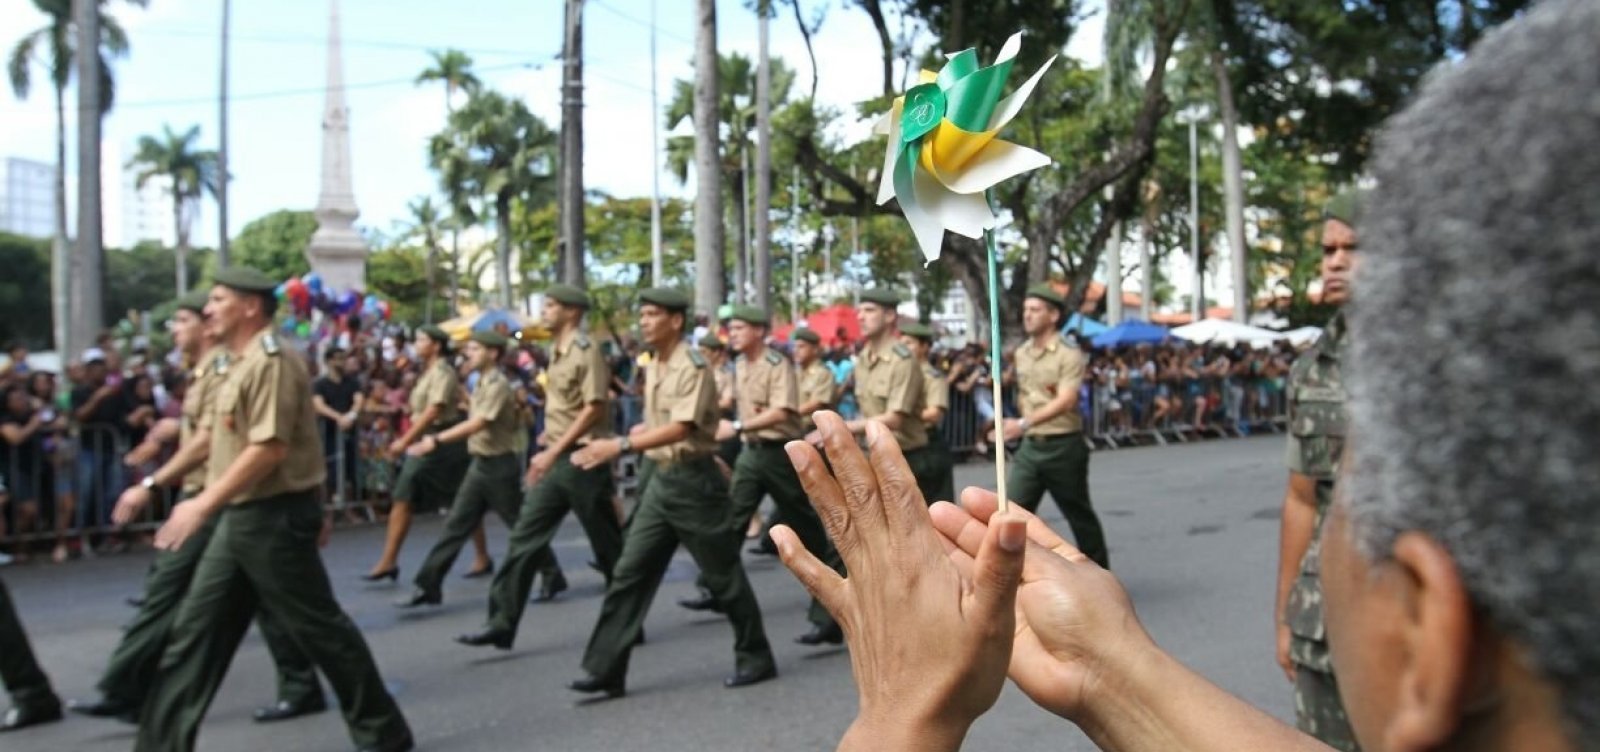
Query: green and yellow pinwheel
[943, 148]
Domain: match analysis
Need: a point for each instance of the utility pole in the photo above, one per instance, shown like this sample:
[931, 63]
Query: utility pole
[572, 229]
[222, 144]
[1194, 222]
[763, 229]
[87, 278]
[655, 161]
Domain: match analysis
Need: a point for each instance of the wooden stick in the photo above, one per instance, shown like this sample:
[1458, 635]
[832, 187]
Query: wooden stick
[996, 368]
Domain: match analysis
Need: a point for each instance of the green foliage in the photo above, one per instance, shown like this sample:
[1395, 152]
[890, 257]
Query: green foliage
[25, 290]
[399, 275]
[275, 244]
[140, 278]
[186, 173]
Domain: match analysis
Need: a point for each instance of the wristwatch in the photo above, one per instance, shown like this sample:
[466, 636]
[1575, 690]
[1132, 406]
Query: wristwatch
[626, 444]
[738, 426]
[149, 482]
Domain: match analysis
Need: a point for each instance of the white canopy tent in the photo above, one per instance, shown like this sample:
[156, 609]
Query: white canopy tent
[1227, 332]
[1303, 336]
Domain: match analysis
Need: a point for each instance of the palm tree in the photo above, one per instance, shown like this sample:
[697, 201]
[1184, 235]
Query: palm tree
[495, 148]
[53, 46]
[190, 174]
[454, 68]
[709, 283]
[425, 225]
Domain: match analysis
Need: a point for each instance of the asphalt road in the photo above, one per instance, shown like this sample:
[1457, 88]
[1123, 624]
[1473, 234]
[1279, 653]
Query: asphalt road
[1193, 535]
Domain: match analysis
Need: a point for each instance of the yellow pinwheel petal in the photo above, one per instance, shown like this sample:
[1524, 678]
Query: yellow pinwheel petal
[949, 149]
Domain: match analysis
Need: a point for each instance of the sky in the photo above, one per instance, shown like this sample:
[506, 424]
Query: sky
[279, 71]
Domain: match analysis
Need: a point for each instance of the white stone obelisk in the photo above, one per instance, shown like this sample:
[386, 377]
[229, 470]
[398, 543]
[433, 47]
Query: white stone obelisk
[337, 251]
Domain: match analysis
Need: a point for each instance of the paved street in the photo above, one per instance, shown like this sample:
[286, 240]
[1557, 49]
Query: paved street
[1193, 534]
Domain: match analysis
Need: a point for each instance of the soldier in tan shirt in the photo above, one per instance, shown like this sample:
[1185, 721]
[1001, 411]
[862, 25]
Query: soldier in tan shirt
[936, 469]
[430, 481]
[683, 499]
[493, 479]
[1053, 456]
[265, 469]
[817, 390]
[577, 412]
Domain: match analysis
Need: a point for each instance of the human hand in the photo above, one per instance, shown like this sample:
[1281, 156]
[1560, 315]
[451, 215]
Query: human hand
[1074, 620]
[186, 519]
[326, 534]
[1284, 638]
[427, 444]
[1012, 429]
[346, 421]
[130, 504]
[597, 453]
[725, 430]
[538, 465]
[929, 644]
[396, 448]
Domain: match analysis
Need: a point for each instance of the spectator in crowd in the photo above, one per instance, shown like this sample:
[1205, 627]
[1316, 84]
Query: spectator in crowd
[100, 409]
[338, 401]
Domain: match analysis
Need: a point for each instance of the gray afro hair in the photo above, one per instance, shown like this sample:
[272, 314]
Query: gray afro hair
[1475, 328]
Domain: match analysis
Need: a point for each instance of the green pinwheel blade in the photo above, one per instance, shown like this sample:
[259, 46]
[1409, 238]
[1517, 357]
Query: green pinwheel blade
[973, 98]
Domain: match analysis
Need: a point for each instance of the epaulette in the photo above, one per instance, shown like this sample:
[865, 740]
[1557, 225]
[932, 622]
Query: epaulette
[902, 351]
[269, 345]
[220, 365]
[696, 358]
[773, 358]
[1067, 339]
[582, 341]
[932, 372]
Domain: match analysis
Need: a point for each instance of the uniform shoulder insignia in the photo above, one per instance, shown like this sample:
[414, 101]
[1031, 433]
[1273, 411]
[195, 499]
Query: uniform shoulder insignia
[220, 365]
[696, 358]
[902, 351]
[269, 345]
[582, 341]
[773, 358]
[933, 372]
[1067, 339]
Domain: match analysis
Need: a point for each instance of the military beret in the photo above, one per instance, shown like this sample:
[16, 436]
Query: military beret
[567, 295]
[666, 297]
[194, 301]
[245, 279]
[807, 335]
[750, 315]
[1047, 294]
[436, 334]
[918, 330]
[724, 311]
[1347, 207]
[710, 342]
[881, 296]
[490, 338]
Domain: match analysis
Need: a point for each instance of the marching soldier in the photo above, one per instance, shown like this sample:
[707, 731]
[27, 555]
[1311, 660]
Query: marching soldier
[817, 390]
[430, 481]
[1316, 441]
[264, 470]
[130, 674]
[32, 700]
[1053, 456]
[936, 474]
[767, 397]
[493, 479]
[577, 412]
[889, 385]
[683, 498]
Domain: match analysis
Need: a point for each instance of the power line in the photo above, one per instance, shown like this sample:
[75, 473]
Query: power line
[641, 22]
[319, 41]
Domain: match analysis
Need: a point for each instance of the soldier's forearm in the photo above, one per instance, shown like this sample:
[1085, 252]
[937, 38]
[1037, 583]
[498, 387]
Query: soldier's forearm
[768, 419]
[419, 425]
[585, 420]
[660, 436]
[461, 431]
[187, 459]
[256, 462]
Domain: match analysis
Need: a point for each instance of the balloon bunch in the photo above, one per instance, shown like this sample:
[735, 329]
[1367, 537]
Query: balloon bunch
[304, 295]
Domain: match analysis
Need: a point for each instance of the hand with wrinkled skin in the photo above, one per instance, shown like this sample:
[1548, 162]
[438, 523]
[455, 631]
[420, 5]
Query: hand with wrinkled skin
[929, 643]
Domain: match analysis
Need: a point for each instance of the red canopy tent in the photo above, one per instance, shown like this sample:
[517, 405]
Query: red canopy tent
[827, 323]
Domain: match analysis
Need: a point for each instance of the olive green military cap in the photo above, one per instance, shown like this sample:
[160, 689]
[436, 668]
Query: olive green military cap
[1049, 295]
[245, 279]
[881, 296]
[710, 342]
[490, 338]
[808, 335]
[568, 295]
[750, 314]
[1347, 207]
[194, 301]
[436, 334]
[666, 297]
[918, 330]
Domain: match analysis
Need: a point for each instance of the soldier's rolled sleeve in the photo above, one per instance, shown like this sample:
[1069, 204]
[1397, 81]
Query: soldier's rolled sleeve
[271, 404]
[596, 377]
[938, 393]
[1071, 376]
[491, 400]
[685, 402]
[785, 390]
[905, 388]
[439, 393]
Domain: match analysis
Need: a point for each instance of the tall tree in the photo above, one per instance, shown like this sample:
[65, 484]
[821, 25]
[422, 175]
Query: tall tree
[190, 173]
[572, 196]
[454, 69]
[425, 226]
[709, 289]
[763, 211]
[53, 46]
[495, 148]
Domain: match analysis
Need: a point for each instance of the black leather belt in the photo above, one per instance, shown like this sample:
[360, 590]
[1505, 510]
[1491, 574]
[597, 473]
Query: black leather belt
[767, 442]
[1054, 437]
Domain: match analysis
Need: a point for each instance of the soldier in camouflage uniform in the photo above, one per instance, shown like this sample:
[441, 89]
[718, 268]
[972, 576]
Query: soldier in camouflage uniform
[1316, 441]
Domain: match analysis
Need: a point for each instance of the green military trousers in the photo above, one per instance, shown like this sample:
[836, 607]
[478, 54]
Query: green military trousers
[566, 487]
[934, 469]
[684, 502]
[491, 483]
[263, 556]
[132, 670]
[1060, 465]
[19, 671]
[765, 470]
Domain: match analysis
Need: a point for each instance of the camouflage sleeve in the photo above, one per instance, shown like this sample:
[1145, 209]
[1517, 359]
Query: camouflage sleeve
[1294, 458]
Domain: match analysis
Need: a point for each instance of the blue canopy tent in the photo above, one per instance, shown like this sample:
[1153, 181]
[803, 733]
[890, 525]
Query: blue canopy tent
[1083, 325]
[1131, 332]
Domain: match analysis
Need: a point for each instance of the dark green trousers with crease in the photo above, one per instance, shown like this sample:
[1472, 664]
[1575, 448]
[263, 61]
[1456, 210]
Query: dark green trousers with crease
[765, 470]
[19, 671]
[492, 483]
[264, 557]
